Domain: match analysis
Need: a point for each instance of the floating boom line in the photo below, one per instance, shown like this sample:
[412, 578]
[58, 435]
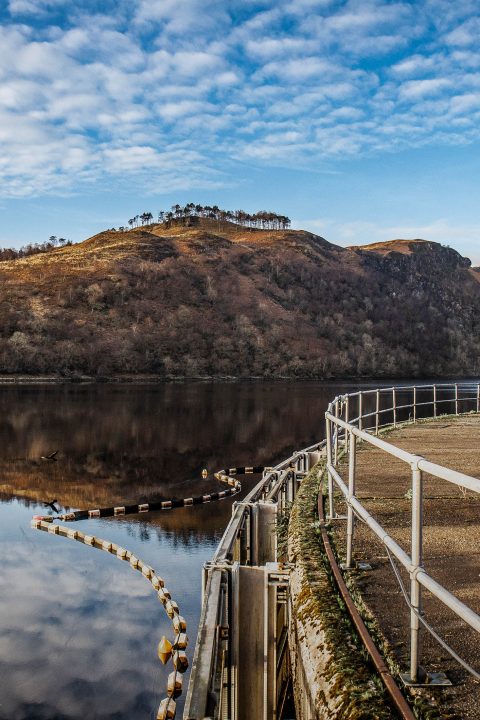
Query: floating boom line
[166, 650]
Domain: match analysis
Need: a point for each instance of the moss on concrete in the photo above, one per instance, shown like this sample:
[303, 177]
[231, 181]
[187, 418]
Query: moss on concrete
[331, 668]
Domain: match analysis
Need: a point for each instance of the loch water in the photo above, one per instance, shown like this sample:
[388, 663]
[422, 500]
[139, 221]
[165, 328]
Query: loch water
[79, 629]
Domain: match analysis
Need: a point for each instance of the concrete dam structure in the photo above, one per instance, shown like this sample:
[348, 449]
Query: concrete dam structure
[346, 584]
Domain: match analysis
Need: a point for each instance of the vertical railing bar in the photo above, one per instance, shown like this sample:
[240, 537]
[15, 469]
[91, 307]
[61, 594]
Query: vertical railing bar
[415, 404]
[347, 420]
[394, 404]
[456, 399]
[417, 559]
[336, 434]
[351, 492]
[360, 411]
[329, 474]
[434, 401]
[478, 397]
[377, 411]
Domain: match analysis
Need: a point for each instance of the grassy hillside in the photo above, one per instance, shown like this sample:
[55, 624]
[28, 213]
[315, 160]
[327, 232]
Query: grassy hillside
[215, 298]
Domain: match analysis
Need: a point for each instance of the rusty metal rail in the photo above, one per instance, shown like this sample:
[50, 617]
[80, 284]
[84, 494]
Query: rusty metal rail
[391, 686]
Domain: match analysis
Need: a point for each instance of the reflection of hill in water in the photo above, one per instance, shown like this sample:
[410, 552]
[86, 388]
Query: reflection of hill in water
[123, 444]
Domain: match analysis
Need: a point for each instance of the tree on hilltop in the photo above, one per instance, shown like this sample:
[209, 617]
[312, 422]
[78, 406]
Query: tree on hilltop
[263, 219]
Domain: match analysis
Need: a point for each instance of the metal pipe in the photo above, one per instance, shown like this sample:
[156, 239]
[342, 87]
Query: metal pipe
[351, 492]
[456, 399]
[394, 404]
[434, 401]
[415, 404]
[452, 476]
[462, 610]
[478, 398]
[347, 417]
[364, 515]
[415, 588]
[448, 599]
[306, 462]
[378, 442]
[377, 411]
[360, 411]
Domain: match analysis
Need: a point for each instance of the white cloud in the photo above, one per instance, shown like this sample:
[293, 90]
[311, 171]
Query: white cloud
[182, 17]
[415, 65]
[33, 7]
[414, 89]
[465, 34]
[172, 111]
[313, 74]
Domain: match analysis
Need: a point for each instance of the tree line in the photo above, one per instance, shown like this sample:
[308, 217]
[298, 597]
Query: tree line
[34, 248]
[264, 219]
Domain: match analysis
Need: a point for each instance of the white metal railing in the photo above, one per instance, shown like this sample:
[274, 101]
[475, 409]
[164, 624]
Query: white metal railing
[360, 416]
[349, 418]
[211, 690]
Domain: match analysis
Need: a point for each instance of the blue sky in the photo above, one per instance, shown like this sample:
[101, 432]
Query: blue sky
[360, 119]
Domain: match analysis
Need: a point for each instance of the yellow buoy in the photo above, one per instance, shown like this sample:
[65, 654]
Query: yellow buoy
[204, 473]
[164, 650]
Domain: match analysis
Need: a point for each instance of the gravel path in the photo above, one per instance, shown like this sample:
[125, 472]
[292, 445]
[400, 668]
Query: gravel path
[451, 547]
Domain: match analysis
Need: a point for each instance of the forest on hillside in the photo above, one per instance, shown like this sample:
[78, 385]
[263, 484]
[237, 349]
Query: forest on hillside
[282, 304]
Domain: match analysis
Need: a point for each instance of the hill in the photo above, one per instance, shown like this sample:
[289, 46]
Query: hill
[212, 298]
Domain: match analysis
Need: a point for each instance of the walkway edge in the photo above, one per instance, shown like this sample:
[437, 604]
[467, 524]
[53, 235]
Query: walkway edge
[332, 677]
[393, 690]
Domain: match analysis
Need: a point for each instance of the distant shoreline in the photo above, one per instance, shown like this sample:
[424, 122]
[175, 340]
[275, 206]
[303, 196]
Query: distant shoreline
[9, 380]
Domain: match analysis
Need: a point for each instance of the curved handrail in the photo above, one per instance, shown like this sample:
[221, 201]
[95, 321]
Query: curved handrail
[342, 435]
[341, 428]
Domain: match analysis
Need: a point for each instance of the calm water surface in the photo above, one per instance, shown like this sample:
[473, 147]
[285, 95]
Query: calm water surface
[78, 629]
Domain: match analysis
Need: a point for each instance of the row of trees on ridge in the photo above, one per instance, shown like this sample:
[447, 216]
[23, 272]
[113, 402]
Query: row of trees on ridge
[263, 219]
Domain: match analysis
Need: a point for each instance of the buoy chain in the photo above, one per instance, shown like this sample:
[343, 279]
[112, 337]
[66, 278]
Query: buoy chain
[225, 476]
[166, 649]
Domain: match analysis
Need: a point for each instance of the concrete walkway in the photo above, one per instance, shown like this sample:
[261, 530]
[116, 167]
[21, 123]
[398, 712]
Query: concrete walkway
[451, 548]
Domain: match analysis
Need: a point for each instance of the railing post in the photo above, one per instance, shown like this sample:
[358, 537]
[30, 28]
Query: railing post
[347, 420]
[434, 401]
[394, 403]
[456, 399]
[306, 462]
[329, 463]
[336, 434]
[377, 411]
[415, 404]
[478, 398]
[351, 492]
[360, 411]
[417, 560]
